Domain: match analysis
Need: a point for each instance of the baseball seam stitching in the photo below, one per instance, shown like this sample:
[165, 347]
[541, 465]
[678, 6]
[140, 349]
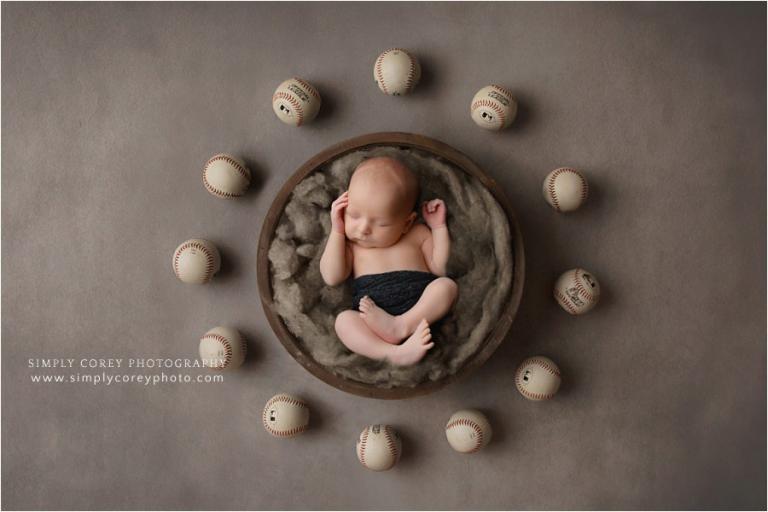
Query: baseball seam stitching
[293, 101]
[308, 87]
[471, 424]
[363, 441]
[564, 301]
[227, 349]
[389, 437]
[215, 191]
[409, 81]
[580, 287]
[491, 104]
[282, 433]
[504, 90]
[201, 247]
[380, 73]
[239, 168]
[541, 363]
[558, 172]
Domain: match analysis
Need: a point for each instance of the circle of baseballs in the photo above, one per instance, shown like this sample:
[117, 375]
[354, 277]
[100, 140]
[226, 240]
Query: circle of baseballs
[296, 102]
[577, 291]
[537, 378]
[396, 72]
[285, 415]
[379, 447]
[468, 430]
[493, 107]
[222, 348]
[226, 176]
[196, 261]
[565, 189]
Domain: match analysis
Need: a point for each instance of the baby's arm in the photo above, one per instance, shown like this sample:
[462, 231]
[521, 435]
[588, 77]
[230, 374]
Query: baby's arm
[336, 262]
[437, 246]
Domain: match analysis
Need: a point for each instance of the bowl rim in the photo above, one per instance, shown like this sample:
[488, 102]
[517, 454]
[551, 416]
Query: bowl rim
[402, 140]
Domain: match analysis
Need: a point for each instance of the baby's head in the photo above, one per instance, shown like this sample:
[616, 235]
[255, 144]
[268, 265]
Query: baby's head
[382, 197]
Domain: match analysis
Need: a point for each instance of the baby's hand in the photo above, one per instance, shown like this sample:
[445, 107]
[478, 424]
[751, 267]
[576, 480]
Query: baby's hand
[434, 213]
[337, 212]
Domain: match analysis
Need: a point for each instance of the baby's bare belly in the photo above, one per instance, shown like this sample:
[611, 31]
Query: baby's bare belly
[378, 261]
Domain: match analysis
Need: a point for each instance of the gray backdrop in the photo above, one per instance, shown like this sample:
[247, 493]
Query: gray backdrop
[110, 111]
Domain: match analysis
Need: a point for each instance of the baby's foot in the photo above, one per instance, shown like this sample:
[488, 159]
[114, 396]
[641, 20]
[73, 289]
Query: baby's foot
[382, 323]
[414, 348]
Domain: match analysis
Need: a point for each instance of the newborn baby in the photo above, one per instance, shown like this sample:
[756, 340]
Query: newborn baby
[396, 264]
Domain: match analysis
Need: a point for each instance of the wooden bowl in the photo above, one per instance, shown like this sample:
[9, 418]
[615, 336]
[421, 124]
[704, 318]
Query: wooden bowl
[403, 141]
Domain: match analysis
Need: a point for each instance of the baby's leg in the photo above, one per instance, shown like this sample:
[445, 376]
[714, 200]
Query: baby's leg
[358, 338]
[435, 302]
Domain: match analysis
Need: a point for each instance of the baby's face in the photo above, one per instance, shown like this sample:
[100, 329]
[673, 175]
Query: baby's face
[373, 218]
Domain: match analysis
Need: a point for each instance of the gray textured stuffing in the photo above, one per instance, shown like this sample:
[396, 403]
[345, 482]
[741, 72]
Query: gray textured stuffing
[480, 263]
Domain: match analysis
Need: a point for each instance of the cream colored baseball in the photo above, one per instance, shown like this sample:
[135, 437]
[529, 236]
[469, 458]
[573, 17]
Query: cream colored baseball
[296, 102]
[537, 378]
[222, 348]
[396, 72]
[493, 107]
[195, 261]
[468, 430]
[285, 415]
[577, 291]
[565, 189]
[226, 176]
[378, 447]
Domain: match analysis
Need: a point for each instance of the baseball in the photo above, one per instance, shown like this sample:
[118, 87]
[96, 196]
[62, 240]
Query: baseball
[577, 291]
[285, 416]
[296, 102]
[222, 348]
[565, 189]
[537, 378]
[493, 107]
[195, 261]
[468, 430]
[226, 176]
[396, 72]
[378, 447]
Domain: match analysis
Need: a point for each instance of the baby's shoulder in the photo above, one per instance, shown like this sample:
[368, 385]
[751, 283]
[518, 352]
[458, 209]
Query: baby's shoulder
[419, 232]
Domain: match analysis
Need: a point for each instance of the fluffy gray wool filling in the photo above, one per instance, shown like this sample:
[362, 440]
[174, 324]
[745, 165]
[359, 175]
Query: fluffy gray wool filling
[481, 263]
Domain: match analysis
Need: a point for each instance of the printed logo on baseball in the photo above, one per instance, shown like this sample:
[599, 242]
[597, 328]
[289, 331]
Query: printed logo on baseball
[577, 291]
[226, 176]
[222, 348]
[468, 430]
[537, 378]
[285, 415]
[493, 107]
[565, 189]
[396, 72]
[195, 261]
[296, 102]
[378, 447]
